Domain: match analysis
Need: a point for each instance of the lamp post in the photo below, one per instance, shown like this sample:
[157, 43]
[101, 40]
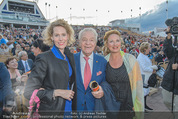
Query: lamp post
[140, 18]
[167, 9]
[121, 13]
[96, 18]
[108, 15]
[56, 12]
[71, 15]
[131, 13]
[49, 11]
[46, 9]
[84, 15]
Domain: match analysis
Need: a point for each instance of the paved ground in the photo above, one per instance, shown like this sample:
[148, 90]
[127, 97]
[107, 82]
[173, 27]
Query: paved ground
[160, 111]
[155, 102]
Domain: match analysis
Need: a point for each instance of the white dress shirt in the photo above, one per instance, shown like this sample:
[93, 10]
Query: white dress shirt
[83, 62]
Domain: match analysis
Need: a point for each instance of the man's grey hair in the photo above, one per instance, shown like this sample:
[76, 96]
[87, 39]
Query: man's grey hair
[88, 29]
[20, 54]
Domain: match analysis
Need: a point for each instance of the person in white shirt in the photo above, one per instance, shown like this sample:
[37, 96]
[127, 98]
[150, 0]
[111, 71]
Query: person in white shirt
[145, 68]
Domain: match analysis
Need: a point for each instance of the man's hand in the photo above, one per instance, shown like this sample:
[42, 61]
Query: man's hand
[98, 94]
[174, 66]
[7, 109]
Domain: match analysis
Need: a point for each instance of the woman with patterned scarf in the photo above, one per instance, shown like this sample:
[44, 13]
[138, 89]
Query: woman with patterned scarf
[123, 74]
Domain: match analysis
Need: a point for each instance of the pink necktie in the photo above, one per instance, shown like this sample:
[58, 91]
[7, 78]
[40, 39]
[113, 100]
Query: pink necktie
[87, 73]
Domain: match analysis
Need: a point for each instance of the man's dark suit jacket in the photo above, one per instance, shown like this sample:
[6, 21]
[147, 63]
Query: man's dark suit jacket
[22, 68]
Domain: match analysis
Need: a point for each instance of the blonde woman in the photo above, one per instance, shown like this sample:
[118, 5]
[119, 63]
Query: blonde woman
[123, 74]
[145, 67]
[54, 71]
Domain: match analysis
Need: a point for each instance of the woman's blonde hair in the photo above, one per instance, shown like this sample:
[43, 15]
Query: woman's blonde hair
[48, 32]
[144, 46]
[106, 36]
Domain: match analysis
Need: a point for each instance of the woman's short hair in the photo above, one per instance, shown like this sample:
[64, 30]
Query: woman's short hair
[88, 29]
[38, 43]
[106, 36]
[9, 59]
[144, 46]
[48, 32]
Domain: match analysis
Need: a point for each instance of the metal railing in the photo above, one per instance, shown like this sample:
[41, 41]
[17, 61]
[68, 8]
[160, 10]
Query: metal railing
[22, 18]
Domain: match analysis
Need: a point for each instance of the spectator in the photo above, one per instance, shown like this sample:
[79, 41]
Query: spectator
[160, 57]
[38, 47]
[18, 81]
[134, 52]
[13, 49]
[137, 49]
[17, 49]
[153, 49]
[146, 70]
[4, 50]
[2, 40]
[27, 48]
[15, 76]
[24, 64]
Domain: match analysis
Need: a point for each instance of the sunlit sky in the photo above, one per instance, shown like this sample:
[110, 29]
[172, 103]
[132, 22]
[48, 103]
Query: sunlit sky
[94, 11]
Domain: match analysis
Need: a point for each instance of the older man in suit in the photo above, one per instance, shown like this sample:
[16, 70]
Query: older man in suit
[24, 64]
[90, 67]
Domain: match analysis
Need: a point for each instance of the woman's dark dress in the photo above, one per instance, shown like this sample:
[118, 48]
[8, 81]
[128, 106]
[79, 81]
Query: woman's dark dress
[119, 80]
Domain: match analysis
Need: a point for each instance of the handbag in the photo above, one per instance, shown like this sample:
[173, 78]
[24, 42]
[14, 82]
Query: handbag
[152, 81]
[160, 72]
[34, 106]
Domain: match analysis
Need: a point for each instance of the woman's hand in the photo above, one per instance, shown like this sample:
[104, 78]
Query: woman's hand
[24, 78]
[66, 94]
[18, 79]
[98, 94]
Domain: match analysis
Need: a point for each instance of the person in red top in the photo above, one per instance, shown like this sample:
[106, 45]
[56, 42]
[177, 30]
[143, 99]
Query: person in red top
[137, 48]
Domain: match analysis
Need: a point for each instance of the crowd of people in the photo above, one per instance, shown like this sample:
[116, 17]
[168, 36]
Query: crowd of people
[60, 61]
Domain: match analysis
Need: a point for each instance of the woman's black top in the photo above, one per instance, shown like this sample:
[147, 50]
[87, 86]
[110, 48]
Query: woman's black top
[119, 80]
